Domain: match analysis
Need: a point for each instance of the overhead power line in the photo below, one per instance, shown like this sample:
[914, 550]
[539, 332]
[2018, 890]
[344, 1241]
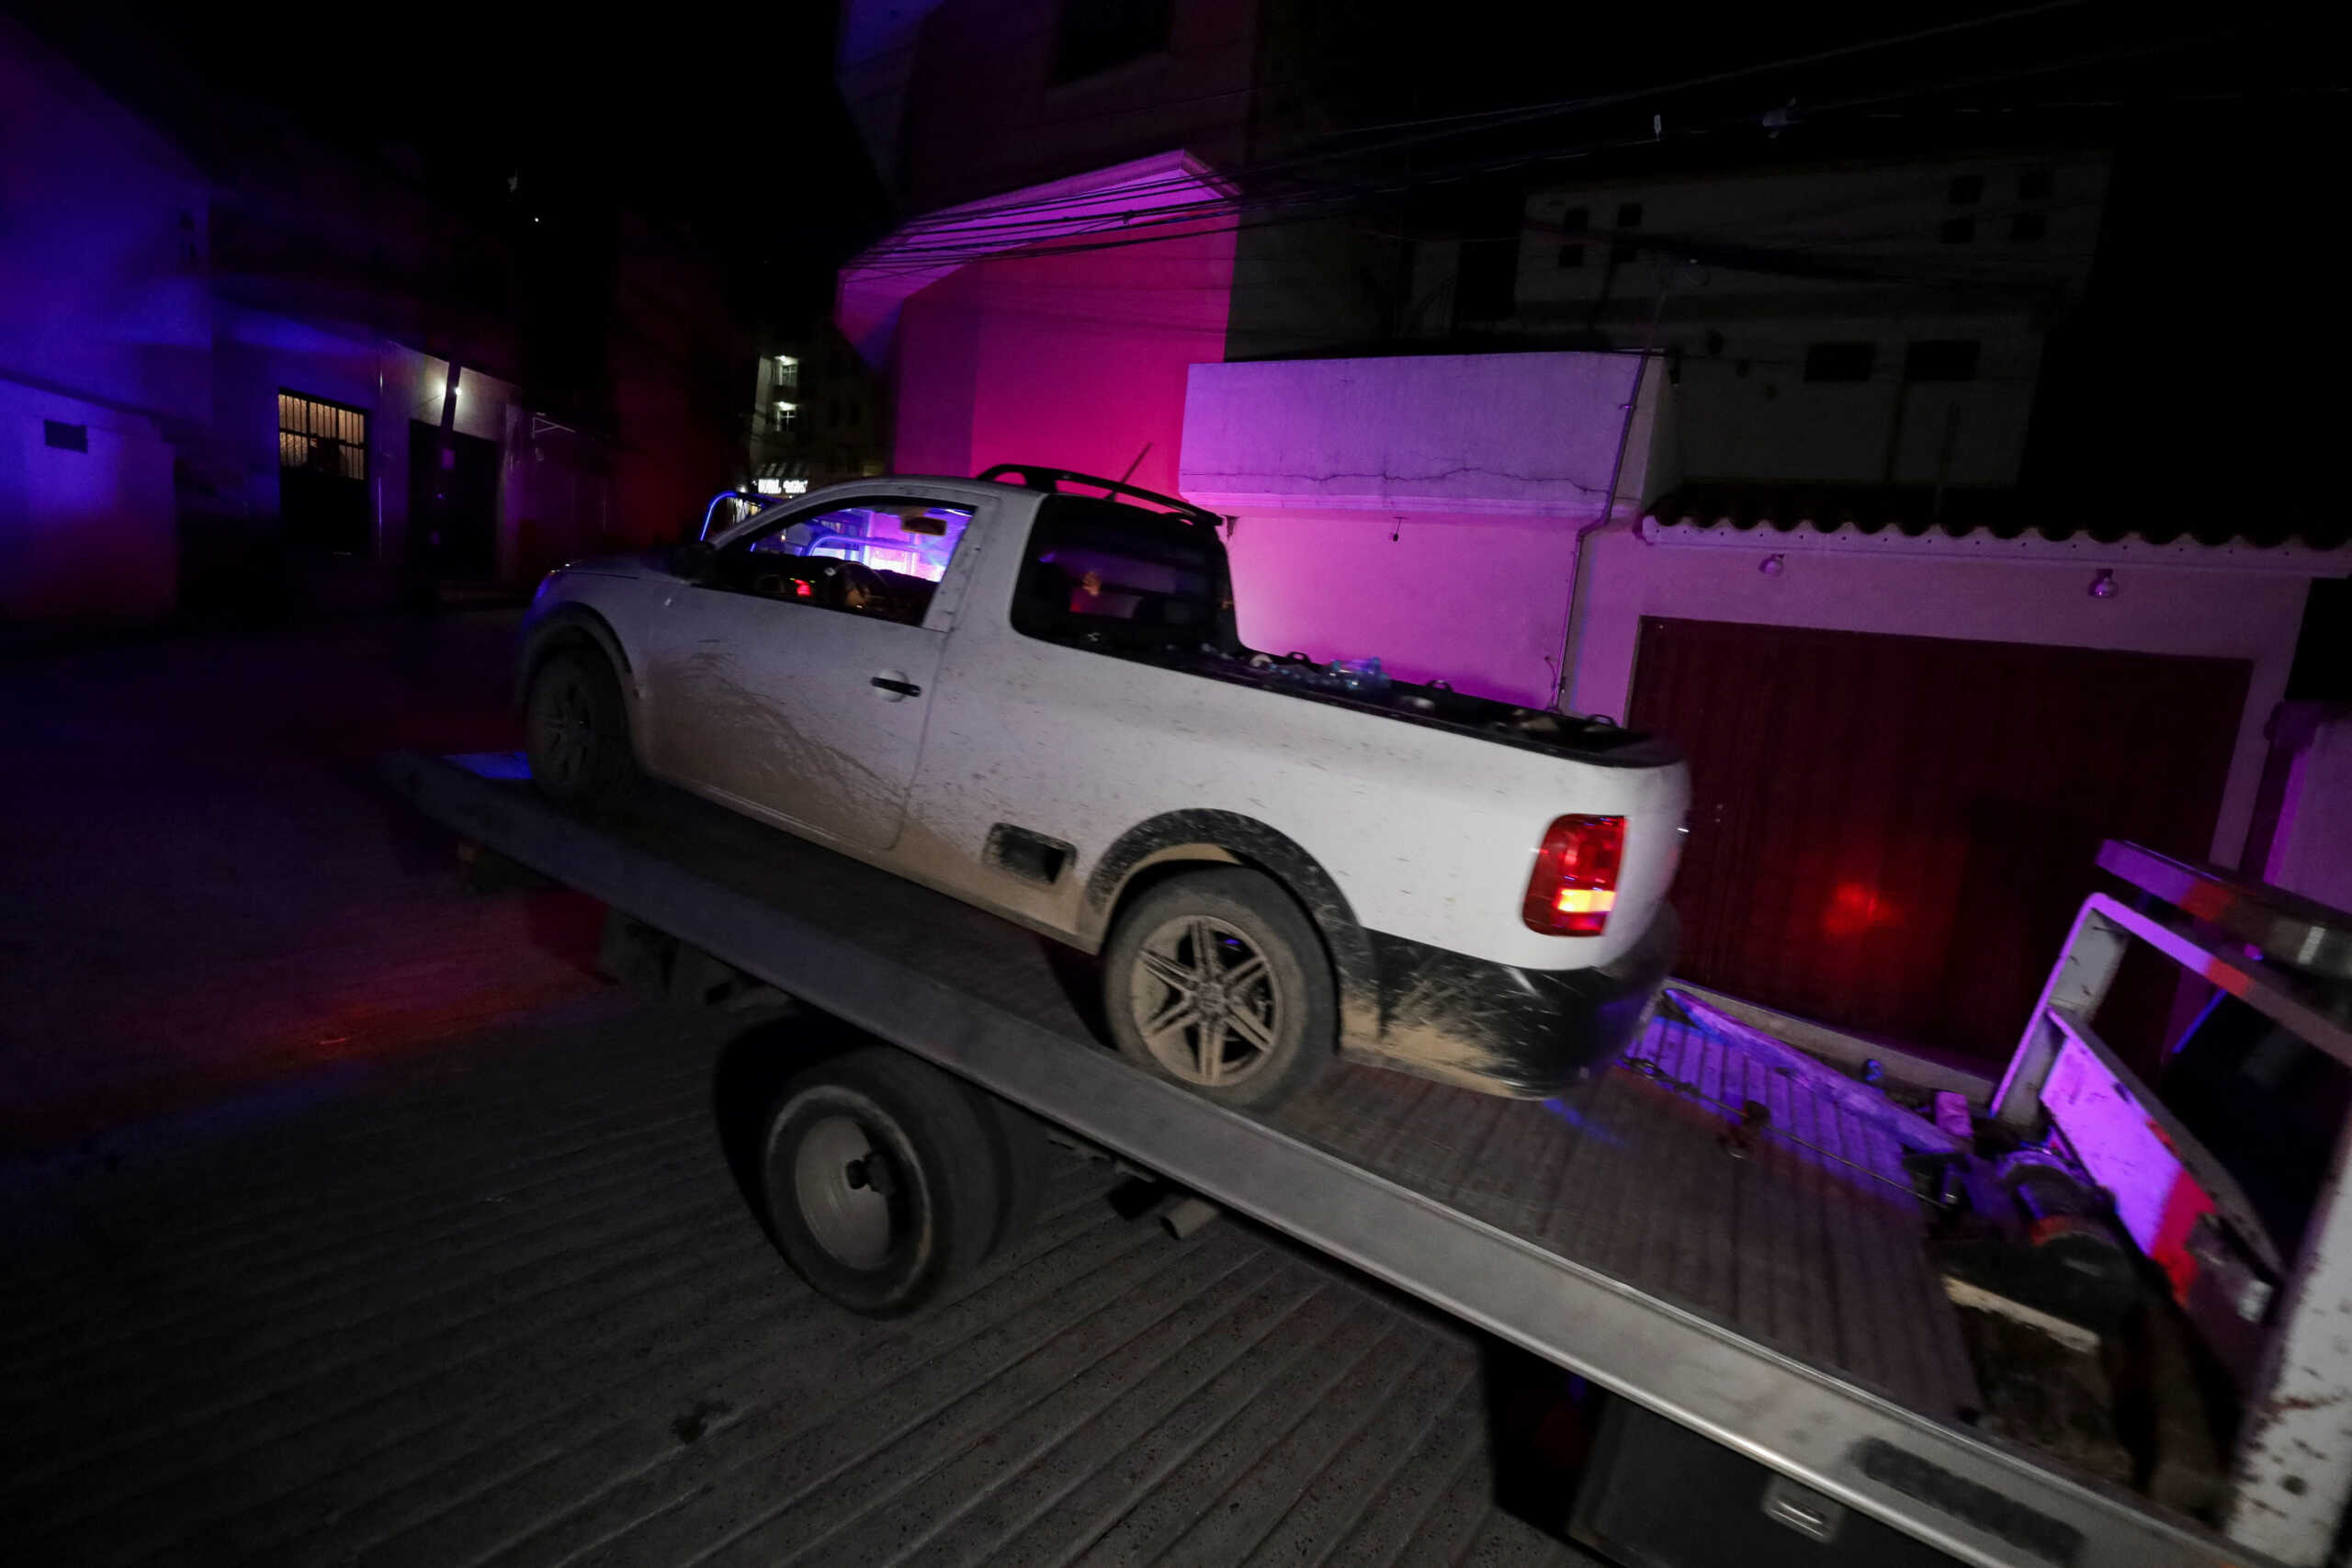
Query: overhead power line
[1440, 127]
[1049, 220]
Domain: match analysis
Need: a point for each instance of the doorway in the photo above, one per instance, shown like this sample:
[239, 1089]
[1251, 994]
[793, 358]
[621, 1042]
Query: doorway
[467, 484]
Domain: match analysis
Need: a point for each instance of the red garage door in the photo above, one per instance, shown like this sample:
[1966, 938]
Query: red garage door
[1891, 833]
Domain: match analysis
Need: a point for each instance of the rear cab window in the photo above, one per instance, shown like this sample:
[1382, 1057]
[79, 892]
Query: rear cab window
[1123, 579]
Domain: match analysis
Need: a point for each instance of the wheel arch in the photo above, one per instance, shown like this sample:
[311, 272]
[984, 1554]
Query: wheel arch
[1177, 841]
[573, 625]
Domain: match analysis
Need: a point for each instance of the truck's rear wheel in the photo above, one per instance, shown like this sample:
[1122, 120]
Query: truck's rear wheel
[884, 1180]
[575, 729]
[1218, 980]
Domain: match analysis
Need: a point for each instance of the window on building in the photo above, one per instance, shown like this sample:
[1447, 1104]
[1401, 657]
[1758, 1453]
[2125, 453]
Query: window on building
[787, 372]
[322, 498]
[2027, 227]
[1095, 35]
[322, 438]
[787, 416]
[1573, 222]
[2036, 184]
[1629, 215]
[65, 438]
[1952, 359]
[1839, 361]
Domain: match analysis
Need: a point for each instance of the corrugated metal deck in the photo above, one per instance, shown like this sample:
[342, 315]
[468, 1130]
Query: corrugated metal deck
[1807, 1239]
[504, 1305]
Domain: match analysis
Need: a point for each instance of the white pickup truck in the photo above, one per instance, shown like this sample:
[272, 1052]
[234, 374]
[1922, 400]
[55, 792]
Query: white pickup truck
[1026, 689]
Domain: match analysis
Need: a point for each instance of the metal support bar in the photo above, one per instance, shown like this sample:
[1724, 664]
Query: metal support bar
[2077, 984]
[1942, 1483]
[2292, 1477]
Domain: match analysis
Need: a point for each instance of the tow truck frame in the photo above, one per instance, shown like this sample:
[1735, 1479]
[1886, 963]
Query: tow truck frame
[800, 924]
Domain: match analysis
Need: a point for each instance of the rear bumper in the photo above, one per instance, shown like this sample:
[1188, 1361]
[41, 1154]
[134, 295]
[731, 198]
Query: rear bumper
[1529, 1032]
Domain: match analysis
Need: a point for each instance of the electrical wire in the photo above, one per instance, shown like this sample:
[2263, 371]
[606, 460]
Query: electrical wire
[912, 254]
[1443, 126]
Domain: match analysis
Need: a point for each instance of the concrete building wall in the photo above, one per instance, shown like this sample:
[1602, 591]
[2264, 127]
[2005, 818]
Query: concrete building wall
[1424, 510]
[103, 245]
[105, 329]
[1958, 250]
[1479, 602]
[2309, 849]
[87, 522]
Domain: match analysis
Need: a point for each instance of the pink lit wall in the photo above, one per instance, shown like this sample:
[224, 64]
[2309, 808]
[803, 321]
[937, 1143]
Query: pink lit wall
[2309, 850]
[2248, 614]
[1422, 509]
[1077, 360]
[1479, 602]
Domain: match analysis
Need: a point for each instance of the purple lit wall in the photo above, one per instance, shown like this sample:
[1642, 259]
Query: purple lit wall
[2310, 848]
[1422, 508]
[1479, 602]
[104, 336]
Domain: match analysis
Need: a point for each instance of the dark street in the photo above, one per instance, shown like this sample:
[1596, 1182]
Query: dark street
[350, 1219]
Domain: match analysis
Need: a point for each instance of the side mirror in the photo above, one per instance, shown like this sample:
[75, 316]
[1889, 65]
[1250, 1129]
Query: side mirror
[693, 560]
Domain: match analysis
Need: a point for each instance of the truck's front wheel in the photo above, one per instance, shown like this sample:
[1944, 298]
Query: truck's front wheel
[575, 727]
[1217, 979]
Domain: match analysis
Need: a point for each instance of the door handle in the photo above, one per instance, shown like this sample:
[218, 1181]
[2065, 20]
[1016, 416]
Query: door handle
[896, 687]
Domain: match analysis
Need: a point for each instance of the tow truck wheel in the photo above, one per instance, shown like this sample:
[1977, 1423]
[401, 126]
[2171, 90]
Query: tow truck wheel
[884, 1180]
[576, 728]
[1218, 980]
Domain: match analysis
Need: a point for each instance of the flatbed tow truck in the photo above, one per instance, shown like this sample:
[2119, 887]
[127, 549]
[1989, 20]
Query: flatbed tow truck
[1741, 1251]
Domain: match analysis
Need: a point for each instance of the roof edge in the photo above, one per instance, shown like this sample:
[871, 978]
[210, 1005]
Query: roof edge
[880, 280]
[2300, 560]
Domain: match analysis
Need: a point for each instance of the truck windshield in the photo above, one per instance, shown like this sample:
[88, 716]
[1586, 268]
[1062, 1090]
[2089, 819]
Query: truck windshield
[1101, 574]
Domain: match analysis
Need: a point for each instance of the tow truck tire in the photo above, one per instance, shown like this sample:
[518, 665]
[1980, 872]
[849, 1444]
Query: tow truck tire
[1026, 1151]
[1235, 949]
[884, 1180]
[575, 728]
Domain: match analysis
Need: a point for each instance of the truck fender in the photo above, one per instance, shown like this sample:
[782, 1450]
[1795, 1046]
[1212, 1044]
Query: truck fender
[1230, 838]
[571, 624]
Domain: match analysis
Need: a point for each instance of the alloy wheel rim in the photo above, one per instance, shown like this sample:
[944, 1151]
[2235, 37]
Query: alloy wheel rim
[564, 727]
[1208, 1009]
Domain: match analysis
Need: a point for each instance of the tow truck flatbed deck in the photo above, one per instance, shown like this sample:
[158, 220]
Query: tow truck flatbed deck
[1771, 1292]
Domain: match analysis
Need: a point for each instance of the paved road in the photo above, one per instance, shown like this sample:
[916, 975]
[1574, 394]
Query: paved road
[350, 1220]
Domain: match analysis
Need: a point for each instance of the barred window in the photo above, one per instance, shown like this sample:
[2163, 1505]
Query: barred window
[321, 436]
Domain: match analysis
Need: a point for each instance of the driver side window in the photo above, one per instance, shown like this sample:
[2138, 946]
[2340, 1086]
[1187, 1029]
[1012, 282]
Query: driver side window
[878, 556]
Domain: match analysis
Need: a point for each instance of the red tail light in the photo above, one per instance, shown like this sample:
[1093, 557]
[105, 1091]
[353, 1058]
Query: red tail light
[1575, 882]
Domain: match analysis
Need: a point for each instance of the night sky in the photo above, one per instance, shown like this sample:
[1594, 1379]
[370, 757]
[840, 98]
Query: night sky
[731, 134]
